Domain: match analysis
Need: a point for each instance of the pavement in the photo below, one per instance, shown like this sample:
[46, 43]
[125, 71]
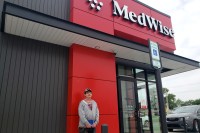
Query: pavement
[176, 131]
[182, 131]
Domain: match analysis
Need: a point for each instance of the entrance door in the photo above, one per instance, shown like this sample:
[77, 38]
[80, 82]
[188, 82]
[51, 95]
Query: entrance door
[138, 100]
[128, 107]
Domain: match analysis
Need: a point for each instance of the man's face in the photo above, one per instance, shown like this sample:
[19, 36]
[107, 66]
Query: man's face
[88, 94]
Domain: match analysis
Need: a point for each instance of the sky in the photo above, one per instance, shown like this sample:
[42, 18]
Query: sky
[185, 17]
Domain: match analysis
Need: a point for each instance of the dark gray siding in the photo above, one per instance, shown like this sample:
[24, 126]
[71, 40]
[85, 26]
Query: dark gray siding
[1, 8]
[56, 8]
[33, 84]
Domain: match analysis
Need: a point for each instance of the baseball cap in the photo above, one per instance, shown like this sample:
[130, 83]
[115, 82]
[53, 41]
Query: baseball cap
[87, 90]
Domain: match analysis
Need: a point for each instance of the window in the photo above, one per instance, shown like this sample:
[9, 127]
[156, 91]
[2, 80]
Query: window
[125, 71]
[140, 74]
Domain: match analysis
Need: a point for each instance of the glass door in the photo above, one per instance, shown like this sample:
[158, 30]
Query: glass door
[143, 106]
[138, 101]
[129, 113]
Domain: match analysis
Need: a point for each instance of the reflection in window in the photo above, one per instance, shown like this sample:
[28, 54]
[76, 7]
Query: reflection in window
[151, 77]
[127, 92]
[143, 108]
[154, 107]
[125, 71]
[128, 106]
[139, 74]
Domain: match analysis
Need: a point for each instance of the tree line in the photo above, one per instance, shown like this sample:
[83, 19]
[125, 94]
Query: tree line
[172, 102]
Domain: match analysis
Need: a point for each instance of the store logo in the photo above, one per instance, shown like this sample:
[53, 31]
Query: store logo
[94, 4]
[141, 19]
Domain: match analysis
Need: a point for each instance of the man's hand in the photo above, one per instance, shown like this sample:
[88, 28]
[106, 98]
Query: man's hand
[88, 126]
[94, 125]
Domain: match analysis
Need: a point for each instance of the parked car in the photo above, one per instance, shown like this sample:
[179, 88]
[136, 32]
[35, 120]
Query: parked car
[190, 113]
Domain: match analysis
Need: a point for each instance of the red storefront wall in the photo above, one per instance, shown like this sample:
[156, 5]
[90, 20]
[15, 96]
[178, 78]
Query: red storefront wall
[95, 69]
[104, 21]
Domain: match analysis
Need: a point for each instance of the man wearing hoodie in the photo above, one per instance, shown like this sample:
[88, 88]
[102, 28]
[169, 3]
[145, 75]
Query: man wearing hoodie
[88, 113]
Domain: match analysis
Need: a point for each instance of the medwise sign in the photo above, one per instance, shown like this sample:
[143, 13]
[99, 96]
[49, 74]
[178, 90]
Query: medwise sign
[142, 19]
[127, 19]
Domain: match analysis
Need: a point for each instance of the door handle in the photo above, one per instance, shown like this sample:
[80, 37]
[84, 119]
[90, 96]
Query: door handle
[137, 113]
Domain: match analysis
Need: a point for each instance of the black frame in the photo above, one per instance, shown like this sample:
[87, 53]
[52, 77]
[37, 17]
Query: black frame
[147, 68]
[120, 78]
[149, 100]
[161, 100]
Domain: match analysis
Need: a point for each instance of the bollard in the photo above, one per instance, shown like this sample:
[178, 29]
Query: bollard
[198, 125]
[104, 128]
[185, 126]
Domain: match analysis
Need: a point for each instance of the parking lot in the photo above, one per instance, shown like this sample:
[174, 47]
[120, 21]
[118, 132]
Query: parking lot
[182, 131]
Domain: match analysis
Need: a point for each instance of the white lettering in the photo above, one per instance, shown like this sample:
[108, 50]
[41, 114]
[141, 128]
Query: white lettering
[132, 17]
[118, 11]
[166, 30]
[152, 23]
[171, 32]
[160, 27]
[142, 19]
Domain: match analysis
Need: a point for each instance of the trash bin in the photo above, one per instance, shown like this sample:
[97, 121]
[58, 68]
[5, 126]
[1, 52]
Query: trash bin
[104, 128]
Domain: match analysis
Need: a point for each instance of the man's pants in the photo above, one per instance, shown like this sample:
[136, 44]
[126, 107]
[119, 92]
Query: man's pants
[86, 130]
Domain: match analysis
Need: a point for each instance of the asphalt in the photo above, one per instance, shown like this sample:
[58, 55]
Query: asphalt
[182, 131]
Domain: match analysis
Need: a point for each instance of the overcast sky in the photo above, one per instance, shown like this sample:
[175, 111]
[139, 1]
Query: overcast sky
[185, 17]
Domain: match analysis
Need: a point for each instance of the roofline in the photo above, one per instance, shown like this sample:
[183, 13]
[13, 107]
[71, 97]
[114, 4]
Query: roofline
[38, 17]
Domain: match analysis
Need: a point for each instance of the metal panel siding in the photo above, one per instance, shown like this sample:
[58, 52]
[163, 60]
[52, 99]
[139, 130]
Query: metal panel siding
[32, 86]
[4, 83]
[56, 8]
[1, 8]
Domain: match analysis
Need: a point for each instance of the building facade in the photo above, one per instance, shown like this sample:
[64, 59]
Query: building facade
[51, 50]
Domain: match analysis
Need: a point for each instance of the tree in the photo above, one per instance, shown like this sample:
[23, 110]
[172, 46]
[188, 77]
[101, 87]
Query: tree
[179, 102]
[172, 101]
[196, 102]
[189, 102]
[165, 91]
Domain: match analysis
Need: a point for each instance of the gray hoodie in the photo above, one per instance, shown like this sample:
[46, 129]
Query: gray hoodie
[85, 113]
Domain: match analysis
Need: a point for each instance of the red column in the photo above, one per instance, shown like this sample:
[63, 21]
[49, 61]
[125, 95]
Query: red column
[95, 69]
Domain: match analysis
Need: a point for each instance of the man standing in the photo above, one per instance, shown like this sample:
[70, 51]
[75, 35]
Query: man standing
[88, 113]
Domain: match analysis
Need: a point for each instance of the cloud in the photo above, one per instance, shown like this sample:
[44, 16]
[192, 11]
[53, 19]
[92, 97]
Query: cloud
[185, 21]
[185, 86]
